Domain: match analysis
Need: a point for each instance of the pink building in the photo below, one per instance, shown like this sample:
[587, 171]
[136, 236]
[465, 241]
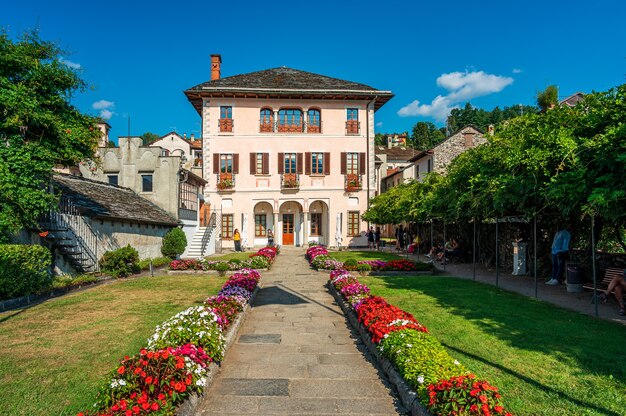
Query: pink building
[288, 151]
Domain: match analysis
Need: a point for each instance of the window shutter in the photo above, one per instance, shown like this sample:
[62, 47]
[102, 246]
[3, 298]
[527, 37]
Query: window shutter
[266, 163]
[343, 163]
[307, 168]
[299, 163]
[327, 163]
[216, 163]
[281, 163]
[252, 163]
[235, 163]
[362, 163]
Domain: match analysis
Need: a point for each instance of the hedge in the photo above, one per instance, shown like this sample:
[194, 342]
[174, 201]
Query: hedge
[24, 269]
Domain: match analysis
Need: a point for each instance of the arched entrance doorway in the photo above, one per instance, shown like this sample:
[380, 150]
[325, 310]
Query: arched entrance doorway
[290, 219]
[319, 230]
[263, 222]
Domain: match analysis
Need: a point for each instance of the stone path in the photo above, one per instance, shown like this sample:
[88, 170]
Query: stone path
[296, 354]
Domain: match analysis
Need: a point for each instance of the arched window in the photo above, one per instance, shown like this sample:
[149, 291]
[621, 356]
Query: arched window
[267, 120]
[314, 121]
[290, 120]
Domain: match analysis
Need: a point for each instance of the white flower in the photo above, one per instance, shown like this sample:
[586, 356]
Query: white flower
[456, 362]
[122, 382]
[420, 379]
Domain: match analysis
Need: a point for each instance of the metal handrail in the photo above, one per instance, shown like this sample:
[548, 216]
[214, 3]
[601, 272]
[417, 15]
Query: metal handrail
[207, 233]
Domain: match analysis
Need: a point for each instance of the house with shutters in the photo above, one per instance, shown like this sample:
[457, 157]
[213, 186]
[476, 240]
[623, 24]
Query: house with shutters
[288, 151]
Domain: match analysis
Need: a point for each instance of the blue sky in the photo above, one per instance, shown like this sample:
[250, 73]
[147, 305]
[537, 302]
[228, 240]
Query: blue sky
[139, 56]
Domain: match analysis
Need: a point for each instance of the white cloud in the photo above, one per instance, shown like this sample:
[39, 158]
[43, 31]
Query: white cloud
[102, 104]
[71, 64]
[106, 114]
[461, 86]
[105, 107]
[517, 71]
[379, 124]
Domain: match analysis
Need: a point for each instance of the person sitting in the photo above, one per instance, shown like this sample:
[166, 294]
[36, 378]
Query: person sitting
[618, 284]
[434, 252]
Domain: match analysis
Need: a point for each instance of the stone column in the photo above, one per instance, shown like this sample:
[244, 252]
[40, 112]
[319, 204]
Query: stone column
[275, 124]
[305, 231]
[276, 231]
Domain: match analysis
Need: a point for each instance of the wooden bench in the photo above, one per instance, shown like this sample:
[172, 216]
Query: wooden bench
[609, 275]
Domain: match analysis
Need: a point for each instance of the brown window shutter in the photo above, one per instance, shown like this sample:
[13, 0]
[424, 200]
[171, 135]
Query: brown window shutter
[281, 163]
[307, 167]
[299, 163]
[235, 163]
[327, 163]
[216, 163]
[362, 163]
[252, 163]
[266, 163]
[343, 163]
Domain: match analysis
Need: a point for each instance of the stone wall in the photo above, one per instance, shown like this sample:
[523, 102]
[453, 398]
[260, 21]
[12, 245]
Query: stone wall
[448, 150]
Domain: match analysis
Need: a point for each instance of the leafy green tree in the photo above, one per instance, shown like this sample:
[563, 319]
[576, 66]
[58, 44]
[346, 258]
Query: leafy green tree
[149, 138]
[39, 128]
[174, 243]
[548, 98]
[426, 135]
[379, 139]
[481, 119]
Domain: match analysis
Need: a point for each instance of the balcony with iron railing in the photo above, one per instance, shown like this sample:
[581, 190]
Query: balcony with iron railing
[353, 127]
[289, 181]
[226, 125]
[352, 183]
[225, 182]
[271, 126]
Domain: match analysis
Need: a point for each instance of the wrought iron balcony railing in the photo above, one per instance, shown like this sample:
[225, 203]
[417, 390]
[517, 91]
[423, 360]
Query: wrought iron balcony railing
[225, 181]
[289, 181]
[352, 183]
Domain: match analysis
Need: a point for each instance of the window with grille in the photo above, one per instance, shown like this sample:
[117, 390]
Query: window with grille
[317, 163]
[188, 196]
[354, 223]
[226, 163]
[227, 225]
[352, 163]
[316, 224]
[260, 225]
[290, 163]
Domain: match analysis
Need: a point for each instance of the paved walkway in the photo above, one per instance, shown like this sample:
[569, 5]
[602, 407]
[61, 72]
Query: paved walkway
[296, 354]
[525, 285]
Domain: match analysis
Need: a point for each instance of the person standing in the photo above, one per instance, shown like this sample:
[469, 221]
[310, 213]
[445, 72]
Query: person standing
[400, 238]
[237, 240]
[270, 238]
[370, 238]
[377, 238]
[560, 253]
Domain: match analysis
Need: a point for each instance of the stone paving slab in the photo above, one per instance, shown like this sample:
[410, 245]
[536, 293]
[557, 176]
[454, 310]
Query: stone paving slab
[297, 355]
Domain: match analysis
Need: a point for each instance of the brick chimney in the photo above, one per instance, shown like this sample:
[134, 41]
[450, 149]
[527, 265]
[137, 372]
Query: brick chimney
[216, 64]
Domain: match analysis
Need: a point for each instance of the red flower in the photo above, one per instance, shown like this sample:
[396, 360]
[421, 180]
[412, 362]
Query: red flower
[136, 409]
[148, 380]
[121, 370]
[128, 413]
[498, 409]
[483, 399]
[154, 407]
[145, 406]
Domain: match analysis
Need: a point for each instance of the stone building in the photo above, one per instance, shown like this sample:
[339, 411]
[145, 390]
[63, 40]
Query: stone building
[154, 174]
[289, 151]
[189, 150]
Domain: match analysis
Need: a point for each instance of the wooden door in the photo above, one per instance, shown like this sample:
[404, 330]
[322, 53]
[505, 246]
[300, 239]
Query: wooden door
[288, 229]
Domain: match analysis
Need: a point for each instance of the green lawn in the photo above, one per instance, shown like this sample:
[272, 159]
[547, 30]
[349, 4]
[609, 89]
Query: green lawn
[363, 255]
[238, 255]
[545, 360]
[55, 355]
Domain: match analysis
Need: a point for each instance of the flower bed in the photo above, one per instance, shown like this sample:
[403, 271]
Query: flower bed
[441, 382]
[262, 259]
[319, 259]
[175, 363]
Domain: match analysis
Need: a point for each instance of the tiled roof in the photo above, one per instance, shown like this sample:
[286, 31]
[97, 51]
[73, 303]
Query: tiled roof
[102, 200]
[285, 81]
[573, 99]
[396, 152]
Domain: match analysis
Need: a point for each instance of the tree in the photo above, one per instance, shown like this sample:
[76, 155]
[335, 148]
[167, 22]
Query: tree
[426, 135]
[174, 243]
[548, 98]
[39, 128]
[481, 119]
[149, 138]
[379, 139]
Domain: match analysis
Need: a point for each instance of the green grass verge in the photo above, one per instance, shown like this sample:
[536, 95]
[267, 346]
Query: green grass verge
[55, 355]
[363, 255]
[238, 255]
[545, 360]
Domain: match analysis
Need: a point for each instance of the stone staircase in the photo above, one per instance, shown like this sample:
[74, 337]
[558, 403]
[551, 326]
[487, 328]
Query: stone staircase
[201, 243]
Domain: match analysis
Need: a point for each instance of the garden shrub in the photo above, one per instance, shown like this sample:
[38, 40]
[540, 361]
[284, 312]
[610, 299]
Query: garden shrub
[419, 358]
[320, 260]
[222, 268]
[350, 264]
[24, 269]
[121, 262]
[363, 268]
[196, 325]
[156, 262]
[174, 243]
